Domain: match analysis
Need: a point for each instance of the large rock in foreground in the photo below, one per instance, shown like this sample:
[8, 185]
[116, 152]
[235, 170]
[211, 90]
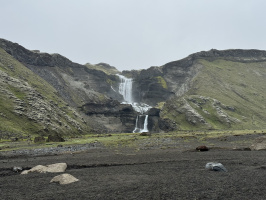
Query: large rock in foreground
[259, 144]
[53, 168]
[64, 179]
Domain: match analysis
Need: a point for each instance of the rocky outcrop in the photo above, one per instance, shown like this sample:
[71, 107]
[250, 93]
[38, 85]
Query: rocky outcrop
[259, 144]
[75, 83]
[88, 95]
[115, 116]
[157, 84]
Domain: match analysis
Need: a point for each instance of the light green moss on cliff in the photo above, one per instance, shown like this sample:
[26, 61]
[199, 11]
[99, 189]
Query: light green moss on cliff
[161, 81]
[160, 105]
[110, 82]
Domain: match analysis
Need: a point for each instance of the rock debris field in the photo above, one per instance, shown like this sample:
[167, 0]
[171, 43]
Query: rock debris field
[123, 173]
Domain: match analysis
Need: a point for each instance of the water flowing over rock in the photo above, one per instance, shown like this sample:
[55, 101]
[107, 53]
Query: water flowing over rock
[125, 89]
[141, 125]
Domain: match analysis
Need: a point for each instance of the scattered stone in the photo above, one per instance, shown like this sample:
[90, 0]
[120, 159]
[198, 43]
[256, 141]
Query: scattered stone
[64, 179]
[242, 149]
[53, 168]
[17, 169]
[213, 166]
[202, 148]
[259, 144]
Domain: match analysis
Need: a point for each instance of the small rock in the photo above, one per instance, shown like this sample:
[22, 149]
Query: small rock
[64, 179]
[202, 148]
[213, 166]
[17, 169]
[259, 144]
[145, 134]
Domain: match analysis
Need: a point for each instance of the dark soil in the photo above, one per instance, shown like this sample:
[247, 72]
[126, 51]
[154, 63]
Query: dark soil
[146, 174]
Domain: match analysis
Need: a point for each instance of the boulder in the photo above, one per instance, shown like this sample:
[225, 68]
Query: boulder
[202, 148]
[166, 124]
[145, 134]
[55, 138]
[39, 139]
[64, 179]
[259, 144]
[53, 168]
[214, 166]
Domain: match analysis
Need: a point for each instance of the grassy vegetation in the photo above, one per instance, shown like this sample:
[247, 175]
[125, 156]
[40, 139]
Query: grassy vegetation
[241, 86]
[131, 140]
[106, 70]
[161, 81]
[11, 121]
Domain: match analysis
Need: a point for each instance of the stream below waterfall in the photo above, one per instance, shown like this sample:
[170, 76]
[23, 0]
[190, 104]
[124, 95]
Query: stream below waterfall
[125, 89]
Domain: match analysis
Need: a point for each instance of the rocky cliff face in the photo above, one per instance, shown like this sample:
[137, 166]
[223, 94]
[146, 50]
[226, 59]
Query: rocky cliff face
[206, 90]
[76, 84]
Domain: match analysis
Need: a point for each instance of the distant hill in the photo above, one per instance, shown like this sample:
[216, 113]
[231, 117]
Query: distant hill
[44, 93]
[210, 90]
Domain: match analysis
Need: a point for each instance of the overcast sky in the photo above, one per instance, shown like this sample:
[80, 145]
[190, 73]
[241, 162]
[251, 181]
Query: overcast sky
[133, 34]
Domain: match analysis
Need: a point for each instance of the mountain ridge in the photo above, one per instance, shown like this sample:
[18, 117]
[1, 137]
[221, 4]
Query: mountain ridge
[180, 90]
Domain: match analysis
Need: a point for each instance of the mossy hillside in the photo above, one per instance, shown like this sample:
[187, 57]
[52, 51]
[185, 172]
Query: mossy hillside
[108, 70]
[13, 122]
[161, 81]
[241, 86]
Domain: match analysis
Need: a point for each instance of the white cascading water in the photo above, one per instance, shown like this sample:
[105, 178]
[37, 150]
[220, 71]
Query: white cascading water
[125, 89]
[138, 125]
[145, 127]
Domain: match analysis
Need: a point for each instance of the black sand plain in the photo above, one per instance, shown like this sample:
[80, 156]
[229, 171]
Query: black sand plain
[123, 173]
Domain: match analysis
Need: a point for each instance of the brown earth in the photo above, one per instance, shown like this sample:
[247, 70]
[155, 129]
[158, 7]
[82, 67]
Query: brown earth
[160, 173]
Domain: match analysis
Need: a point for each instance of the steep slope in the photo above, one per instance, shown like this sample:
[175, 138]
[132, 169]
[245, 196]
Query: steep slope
[224, 94]
[207, 90]
[30, 105]
[79, 86]
[42, 93]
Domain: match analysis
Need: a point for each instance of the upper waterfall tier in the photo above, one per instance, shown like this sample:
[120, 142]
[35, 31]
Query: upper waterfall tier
[125, 88]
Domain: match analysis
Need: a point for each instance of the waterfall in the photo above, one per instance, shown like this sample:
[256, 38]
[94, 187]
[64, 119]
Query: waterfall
[125, 89]
[139, 125]
[136, 125]
[145, 127]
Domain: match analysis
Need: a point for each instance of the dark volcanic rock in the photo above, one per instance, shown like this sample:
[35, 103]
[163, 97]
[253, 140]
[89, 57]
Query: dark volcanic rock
[154, 112]
[166, 125]
[39, 139]
[202, 148]
[55, 138]
[120, 115]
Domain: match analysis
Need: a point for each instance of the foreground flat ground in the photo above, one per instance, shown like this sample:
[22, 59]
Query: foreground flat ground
[146, 174]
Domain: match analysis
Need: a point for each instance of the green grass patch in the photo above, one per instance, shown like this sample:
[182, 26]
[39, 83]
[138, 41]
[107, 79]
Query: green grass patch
[161, 81]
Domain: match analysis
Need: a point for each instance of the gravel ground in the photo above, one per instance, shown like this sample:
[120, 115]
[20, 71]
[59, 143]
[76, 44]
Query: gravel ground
[151, 173]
